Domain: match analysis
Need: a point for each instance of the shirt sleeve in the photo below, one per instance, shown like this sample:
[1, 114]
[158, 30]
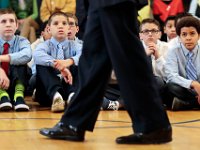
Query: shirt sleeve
[193, 7]
[35, 10]
[158, 67]
[41, 56]
[22, 52]
[171, 69]
[70, 6]
[77, 52]
[44, 11]
[159, 63]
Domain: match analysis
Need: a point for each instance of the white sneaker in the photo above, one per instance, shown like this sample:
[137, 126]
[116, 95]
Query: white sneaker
[113, 105]
[20, 105]
[109, 104]
[58, 105]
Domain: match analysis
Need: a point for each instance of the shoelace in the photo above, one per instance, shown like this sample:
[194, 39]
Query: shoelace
[58, 101]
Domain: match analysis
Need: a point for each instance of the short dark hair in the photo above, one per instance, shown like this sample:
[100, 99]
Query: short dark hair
[150, 20]
[188, 21]
[169, 18]
[57, 13]
[8, 11]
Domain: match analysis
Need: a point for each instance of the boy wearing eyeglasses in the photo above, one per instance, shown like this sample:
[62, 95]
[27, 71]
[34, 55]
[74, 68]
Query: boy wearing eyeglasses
[73, 27]
[155, 49]
[74, 43]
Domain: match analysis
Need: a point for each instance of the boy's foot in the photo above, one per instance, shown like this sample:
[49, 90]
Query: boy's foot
[5, 104]
[58, 105]
[110, 105]
[179, 104]
[20, 105]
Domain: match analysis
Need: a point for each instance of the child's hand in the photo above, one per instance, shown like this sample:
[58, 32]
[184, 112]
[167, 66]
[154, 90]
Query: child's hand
[67, 76]
[150, 49]
[4, 81]
[196, 86]
[62, 64]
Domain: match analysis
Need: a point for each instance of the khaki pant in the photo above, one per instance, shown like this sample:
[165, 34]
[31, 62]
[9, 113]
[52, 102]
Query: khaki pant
[28, 28]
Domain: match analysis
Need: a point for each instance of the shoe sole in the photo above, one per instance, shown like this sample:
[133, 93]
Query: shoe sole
[21, 107]
[5, 107]
[68, 138]
[158, 137]
[58, 109]
[154, 141]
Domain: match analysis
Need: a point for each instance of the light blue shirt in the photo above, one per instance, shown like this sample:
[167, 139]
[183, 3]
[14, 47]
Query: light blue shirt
[46, 52]
[174, 68]
[19, 50]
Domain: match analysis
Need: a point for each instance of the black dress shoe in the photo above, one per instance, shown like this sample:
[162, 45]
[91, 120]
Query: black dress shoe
[61, 131]
[157, 137]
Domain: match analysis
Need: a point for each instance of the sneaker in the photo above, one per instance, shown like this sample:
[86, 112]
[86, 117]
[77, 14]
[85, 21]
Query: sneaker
[178, 104]
[20, 105]
[58, 105]
[5, 104]
[110, 105]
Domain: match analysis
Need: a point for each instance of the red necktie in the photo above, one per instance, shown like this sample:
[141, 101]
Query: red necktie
[5, 65]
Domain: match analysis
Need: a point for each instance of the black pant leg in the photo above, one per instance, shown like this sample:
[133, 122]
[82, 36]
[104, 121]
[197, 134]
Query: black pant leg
[133, 71]
[111, 35]
[48, 83]
[183, 93]
[17, 73]
[93, 74]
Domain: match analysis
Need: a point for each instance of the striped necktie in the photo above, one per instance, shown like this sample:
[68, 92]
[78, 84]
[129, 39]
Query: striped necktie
[191, 72]
[5, 65]
[60, 54]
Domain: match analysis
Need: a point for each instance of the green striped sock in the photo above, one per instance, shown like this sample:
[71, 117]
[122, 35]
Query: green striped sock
[19, 90]
[3, 93]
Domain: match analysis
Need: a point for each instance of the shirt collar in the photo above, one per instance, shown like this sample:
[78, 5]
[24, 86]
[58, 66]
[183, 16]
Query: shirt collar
[186, 51]
[10, 42]
[56, 43]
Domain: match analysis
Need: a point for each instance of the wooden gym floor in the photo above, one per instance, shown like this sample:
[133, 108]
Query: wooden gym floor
[19, 131]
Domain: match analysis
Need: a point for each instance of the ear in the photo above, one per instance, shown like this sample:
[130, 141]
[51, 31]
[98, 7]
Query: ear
[77, 28]
[49, 30]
